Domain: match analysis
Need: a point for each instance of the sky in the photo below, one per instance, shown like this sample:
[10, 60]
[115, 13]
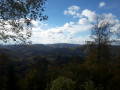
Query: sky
[69, 21]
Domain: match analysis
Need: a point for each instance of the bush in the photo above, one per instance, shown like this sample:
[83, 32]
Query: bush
[62, 83]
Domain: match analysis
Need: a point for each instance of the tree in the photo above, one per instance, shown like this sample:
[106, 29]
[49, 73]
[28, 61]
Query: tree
[101, 33]
[16, 16]
[89, 85]
[35, 79]
[62, 83]
[8, 77]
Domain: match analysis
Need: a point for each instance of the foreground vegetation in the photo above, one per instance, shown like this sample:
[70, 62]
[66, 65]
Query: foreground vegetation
[60, 73]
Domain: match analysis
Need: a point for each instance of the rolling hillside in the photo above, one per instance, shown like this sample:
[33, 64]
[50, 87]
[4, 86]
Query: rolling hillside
[50, 49]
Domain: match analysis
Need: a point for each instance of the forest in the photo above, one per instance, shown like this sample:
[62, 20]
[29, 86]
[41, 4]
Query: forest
[33, 70]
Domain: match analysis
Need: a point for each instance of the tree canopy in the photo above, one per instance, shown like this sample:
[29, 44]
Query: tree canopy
[103, 35]
[62, 83]
[16, 16]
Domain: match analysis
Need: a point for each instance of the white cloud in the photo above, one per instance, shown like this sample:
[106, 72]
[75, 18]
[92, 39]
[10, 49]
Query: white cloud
[68, 25]
[36, 23]
[109, 16]
[101, 4]
[91, 15]
[82, 21]
[116, 29]
[63, 34]
[81, 39]
[77, 15]
[72, 10]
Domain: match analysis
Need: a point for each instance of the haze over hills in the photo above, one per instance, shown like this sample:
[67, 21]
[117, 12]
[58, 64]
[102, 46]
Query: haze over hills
[41, 49]
[18, 51]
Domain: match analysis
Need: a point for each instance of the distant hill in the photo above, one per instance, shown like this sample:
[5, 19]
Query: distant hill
[10, 53]
[18, 51]
[63, 45]
[41, 49]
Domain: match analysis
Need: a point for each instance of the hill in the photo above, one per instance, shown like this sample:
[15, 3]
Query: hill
[18, 51]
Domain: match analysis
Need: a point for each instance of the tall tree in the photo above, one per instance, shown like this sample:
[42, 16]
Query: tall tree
[101, 33]
[16, 16]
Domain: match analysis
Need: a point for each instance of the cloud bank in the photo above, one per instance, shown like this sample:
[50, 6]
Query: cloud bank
[71, 32]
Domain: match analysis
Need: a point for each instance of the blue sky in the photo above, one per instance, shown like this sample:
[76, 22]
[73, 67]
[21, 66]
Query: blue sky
[69, 20]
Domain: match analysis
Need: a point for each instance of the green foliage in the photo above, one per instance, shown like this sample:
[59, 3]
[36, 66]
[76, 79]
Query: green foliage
[89, 86]
[62, 83]
[38, 73]
[17, 15]
[31, 80]
[76, 72]
[35, 79]
[8, 77]
[17, 9]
